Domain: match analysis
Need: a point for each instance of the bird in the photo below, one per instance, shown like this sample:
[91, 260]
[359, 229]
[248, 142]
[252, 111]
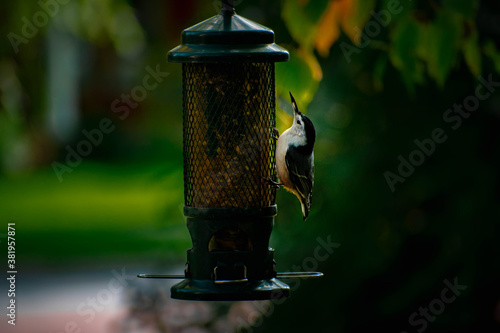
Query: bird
[295, 158]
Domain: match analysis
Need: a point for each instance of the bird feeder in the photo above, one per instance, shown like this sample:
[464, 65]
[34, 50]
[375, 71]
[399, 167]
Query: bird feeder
[228, 147]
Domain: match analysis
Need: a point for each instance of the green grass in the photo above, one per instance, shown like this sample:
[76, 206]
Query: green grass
[97, 212]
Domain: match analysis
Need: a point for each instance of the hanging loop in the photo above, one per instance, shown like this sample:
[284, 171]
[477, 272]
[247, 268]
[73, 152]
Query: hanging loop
[227, 8]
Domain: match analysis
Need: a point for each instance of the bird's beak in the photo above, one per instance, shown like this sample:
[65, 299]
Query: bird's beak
[295, 108]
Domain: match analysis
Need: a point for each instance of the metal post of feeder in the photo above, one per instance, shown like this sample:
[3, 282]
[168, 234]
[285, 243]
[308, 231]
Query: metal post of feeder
[228, 146]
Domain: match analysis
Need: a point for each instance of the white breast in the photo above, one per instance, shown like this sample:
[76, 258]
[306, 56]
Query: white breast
[281, 148]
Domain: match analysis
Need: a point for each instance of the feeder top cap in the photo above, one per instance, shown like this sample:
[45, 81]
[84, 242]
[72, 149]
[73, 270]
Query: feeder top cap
[225, 38]
[223, 29]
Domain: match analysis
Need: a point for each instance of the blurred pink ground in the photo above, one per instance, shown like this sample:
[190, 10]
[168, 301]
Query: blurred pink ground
[107, 321]
[87, 302]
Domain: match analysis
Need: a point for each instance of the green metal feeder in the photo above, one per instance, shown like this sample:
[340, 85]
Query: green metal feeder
[228, 121]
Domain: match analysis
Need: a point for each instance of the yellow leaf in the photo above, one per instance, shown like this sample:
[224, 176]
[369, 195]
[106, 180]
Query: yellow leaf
[348, 15]
[329, 25]
[349, 21]
[312, 62]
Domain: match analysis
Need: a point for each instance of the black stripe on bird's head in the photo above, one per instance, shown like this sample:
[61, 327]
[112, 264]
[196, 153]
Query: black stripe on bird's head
[304, 125]
[310, 131]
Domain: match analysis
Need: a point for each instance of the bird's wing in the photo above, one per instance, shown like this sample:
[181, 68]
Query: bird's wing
[300, 170]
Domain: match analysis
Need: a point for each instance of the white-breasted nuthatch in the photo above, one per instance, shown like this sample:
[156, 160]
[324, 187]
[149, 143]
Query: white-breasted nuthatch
[295, 158]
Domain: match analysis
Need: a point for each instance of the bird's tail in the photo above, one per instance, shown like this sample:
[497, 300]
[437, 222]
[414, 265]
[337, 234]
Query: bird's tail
[305, 204]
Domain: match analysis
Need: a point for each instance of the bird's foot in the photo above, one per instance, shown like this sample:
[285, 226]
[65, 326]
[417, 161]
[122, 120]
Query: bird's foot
[276, 133]
[272, 183]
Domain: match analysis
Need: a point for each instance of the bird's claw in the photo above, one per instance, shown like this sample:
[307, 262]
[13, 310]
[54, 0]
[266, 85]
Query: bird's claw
[276, 133]
[272, 183]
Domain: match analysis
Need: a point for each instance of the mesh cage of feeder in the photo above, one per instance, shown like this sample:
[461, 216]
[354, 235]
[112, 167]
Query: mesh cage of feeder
[228, 147]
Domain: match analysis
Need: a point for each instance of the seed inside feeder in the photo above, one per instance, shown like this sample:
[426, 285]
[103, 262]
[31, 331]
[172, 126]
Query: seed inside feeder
[228, 150]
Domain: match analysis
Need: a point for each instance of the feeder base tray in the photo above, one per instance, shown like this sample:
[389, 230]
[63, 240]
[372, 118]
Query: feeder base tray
[207, 290]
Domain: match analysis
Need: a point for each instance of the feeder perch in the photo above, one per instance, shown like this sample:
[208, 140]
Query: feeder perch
[228, 147]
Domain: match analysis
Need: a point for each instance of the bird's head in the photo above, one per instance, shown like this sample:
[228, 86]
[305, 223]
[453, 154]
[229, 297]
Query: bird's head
[302, 126]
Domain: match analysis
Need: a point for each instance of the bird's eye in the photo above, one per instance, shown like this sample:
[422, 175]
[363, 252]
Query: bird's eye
[298, 122]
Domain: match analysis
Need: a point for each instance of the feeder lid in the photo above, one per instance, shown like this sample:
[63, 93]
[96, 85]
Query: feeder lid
[228, 37]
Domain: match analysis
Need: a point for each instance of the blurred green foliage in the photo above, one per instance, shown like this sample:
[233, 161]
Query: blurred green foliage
[422, 39]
